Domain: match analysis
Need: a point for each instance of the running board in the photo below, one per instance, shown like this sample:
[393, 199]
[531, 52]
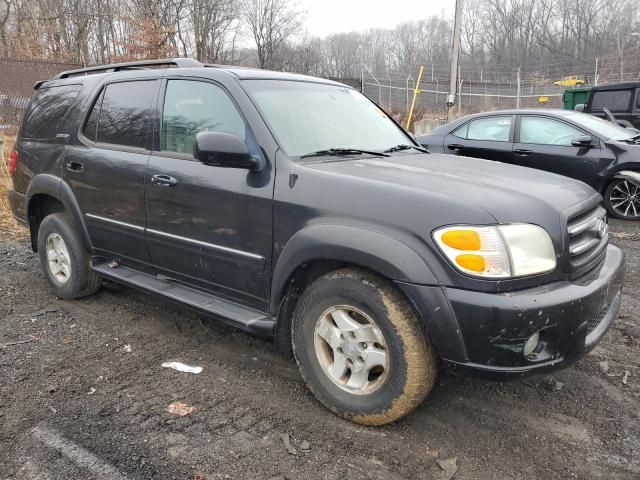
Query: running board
[246, 319]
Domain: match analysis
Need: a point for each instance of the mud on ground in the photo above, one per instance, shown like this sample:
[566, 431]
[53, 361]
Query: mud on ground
[76, 404]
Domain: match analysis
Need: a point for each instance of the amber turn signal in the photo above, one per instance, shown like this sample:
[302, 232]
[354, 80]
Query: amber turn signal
[475, 263]
[468, 240]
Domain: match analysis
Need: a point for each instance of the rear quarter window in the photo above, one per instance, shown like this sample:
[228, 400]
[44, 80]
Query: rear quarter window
[48, 108]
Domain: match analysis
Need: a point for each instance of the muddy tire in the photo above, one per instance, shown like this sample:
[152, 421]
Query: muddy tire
[360, 348]
[64, 260]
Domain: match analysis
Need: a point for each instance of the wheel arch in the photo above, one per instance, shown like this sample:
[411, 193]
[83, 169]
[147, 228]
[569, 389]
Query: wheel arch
[629, 174]
[320, 249]
[48, 194]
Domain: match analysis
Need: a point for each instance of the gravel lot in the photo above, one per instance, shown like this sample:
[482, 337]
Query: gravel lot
[76, 403]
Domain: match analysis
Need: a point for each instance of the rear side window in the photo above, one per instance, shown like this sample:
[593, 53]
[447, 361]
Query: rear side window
[124, 115]
[48, 108]
[614, 100]
[494, 129]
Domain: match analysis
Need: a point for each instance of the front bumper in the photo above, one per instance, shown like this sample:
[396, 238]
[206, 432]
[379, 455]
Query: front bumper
[483, 334]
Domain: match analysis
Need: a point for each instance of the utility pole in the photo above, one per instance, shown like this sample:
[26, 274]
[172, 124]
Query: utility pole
[455, 55]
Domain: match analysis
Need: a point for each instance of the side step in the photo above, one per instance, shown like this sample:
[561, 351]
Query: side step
[247, 319]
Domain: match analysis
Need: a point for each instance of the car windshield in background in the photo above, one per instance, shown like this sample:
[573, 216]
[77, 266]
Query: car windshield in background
[603, 127]
[309, 117]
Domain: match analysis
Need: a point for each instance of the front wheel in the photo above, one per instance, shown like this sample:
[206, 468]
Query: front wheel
[360, 348]
[622, 199]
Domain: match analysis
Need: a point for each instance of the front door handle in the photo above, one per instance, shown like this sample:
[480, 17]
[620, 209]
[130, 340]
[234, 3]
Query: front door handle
[522, 153]
[455, 147]
[75, 167]
[164, 181]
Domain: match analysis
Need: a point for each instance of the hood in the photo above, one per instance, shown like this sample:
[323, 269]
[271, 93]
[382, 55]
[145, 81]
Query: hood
[508, 193]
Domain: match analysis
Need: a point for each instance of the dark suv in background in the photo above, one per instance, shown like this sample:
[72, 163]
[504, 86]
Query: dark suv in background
[295, 208]
[621, 99]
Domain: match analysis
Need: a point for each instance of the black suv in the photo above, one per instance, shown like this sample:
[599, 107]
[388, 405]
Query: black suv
[295, 208]
[621, 99]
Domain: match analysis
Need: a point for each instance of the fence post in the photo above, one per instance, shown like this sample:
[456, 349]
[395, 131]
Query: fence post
[486, 105]
[362, 80]
[518, 90]
[595, 75]
[377, 83]
[416, 91]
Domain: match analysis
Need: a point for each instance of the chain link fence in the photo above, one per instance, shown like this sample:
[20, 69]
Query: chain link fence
[491, 88]
[395, 92]
[17, 78]
[481, 89]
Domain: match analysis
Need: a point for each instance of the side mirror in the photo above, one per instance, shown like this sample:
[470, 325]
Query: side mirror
[223, 150]
[583, 141]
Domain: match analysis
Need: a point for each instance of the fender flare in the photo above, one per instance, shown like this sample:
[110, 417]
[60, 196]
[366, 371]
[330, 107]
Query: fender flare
[631, 175]
[60, 190]
[369, 249]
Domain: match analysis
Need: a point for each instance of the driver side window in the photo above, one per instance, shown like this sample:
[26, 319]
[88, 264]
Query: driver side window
[190, 107]
[546, 131]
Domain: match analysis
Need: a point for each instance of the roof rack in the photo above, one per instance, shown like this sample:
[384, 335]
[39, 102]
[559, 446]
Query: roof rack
[115, 67]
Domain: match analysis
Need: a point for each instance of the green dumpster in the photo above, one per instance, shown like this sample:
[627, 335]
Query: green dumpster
[575, 96]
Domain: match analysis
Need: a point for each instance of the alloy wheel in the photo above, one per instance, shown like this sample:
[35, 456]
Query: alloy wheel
[58, 258]
[351, 350]
[625, 199]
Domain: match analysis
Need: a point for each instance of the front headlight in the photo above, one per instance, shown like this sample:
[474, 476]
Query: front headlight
[501, 251]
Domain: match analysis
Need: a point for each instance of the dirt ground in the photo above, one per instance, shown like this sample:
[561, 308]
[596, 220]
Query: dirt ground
[75, 403]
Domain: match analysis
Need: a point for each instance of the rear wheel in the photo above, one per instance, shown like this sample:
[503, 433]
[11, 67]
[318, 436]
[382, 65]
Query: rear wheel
[622, 199]
[360, 348]
[64, 260]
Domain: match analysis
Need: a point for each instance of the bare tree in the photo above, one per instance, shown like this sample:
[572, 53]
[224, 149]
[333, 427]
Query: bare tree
[271, 24]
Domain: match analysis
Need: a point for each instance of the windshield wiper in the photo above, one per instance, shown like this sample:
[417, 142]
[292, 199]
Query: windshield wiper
[635, 139]
[405, 146]
[342, 151]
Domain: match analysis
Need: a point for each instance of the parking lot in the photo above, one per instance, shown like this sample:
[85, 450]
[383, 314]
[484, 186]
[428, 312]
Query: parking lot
[83, 395]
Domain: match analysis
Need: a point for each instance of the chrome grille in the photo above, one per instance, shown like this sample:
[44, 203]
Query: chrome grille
[588, 238]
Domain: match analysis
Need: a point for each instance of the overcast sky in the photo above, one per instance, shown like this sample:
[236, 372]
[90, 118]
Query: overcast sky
[332, 16]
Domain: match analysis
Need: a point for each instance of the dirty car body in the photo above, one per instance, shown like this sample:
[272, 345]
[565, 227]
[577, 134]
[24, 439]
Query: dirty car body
[243, 243]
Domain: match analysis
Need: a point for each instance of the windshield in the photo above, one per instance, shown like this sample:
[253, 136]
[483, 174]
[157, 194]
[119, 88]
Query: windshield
[307, 117]
[603, 127]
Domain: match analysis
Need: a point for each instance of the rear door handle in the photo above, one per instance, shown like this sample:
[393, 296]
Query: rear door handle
[455, 147]
[75, 167]
[522, 153]
[164, 181]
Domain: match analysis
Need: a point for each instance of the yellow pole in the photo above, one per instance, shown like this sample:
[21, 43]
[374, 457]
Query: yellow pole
[416, 91]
